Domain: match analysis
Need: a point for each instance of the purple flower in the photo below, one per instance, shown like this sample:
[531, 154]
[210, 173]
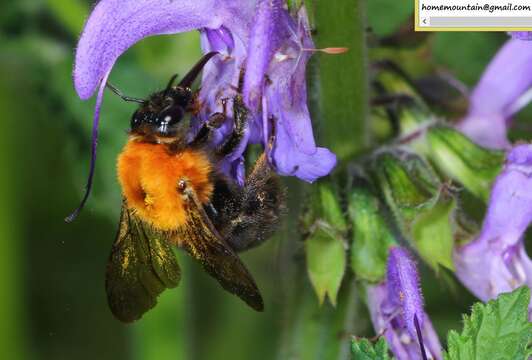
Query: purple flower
[521, 35]
[396, 310]
[496, 261]
[501, 92]
[260, 38]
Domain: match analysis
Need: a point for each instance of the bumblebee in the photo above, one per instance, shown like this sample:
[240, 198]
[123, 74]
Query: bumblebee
[174, 194]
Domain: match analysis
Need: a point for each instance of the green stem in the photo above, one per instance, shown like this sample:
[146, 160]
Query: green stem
[340, 101]
[343, 99]
[13, 323]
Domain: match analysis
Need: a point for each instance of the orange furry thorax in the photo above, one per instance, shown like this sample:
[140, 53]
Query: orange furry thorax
[149, 173]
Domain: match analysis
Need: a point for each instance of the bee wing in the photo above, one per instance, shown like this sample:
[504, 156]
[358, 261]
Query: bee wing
[141, 266]
[201, 239]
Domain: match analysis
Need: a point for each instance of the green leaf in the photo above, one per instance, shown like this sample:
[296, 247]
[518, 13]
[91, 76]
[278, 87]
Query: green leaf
[371, 235]
[363, 349]
[498, 330]
[326, 258]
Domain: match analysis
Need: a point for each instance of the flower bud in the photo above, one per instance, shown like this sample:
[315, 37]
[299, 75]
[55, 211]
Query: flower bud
[461, 159]
[404, 102]
[371, 235]
[423, 207]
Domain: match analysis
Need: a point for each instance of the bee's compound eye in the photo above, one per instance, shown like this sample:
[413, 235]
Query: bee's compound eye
[170, 116]
[181, 185]
[135, 120]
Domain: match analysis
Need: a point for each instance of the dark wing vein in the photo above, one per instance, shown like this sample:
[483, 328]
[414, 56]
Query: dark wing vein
[141, 266]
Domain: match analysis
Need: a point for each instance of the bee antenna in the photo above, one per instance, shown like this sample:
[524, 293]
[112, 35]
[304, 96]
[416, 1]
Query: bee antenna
[189, 78]
[170, 83]
[122, 96]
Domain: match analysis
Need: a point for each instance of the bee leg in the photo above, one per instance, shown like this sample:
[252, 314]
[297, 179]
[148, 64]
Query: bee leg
[213, 122]
[240, 114]
[262, 203]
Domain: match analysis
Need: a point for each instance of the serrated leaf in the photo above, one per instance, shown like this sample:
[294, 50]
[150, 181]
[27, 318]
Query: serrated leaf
[363, 349]
[498, 330]
[326, 258]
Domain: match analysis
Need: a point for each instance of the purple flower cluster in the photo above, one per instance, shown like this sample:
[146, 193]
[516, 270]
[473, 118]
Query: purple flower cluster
[501, 92]
[396, 309]
[261, 39]
[496, 261]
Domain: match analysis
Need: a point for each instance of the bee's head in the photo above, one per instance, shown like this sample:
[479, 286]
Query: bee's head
[162, 114]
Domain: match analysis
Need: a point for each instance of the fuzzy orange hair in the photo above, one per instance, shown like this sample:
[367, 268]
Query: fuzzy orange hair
[149, 174]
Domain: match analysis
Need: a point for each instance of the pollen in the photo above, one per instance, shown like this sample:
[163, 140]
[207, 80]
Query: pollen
[149, 174]
[148, 201]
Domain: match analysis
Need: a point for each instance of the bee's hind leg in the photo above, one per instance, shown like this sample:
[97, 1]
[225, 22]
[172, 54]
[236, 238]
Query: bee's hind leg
[261, 206]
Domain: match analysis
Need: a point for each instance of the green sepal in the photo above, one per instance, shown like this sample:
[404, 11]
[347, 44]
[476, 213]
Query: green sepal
[497, 330]
[363, 349]
[325, 244]
[326, 260]
[371, 235]
[410, 110]
[433, 232]
[461, 159]
[406, 183]
[424, 208]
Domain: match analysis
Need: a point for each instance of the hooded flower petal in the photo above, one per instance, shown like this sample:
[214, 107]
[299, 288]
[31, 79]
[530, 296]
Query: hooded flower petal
[282, 84]
[115, 25]
[498, 95]
[496, 261]
[266, 36]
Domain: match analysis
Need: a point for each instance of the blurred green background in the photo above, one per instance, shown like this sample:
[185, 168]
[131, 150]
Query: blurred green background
[52, 299]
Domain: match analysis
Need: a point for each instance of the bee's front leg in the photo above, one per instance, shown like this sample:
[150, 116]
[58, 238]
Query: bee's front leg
[215, 121]
[240, 115]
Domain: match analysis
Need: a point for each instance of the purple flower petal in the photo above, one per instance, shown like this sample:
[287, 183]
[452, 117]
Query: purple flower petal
[386, 320]
[496, 96]
[94, 146]
[521, 35]
[265, 38]
[274, 90]
[496, 261]
[284, 104]
[115, 25]
[403, 287]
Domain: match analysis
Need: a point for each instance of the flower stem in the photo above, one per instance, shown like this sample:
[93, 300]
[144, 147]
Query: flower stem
[339, 100]
[14, 322]
[343, 88]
